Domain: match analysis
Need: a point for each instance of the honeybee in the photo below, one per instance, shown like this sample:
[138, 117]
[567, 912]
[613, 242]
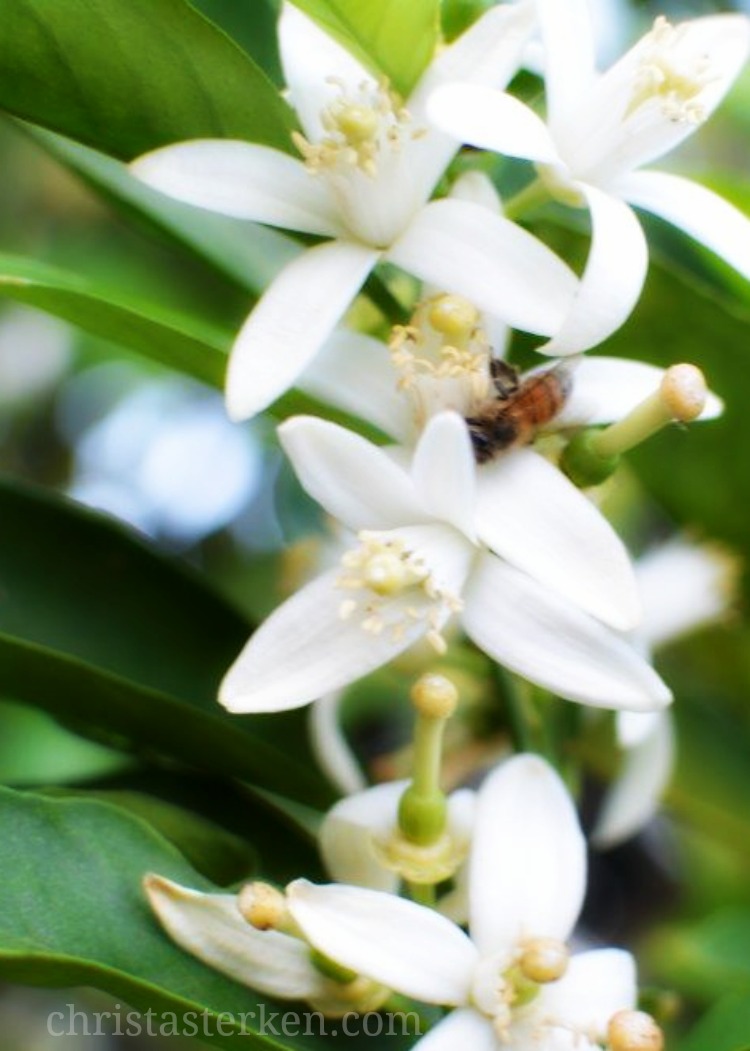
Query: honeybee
[520, 409]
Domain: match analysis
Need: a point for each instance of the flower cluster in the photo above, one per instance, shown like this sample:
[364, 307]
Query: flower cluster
[479, 519]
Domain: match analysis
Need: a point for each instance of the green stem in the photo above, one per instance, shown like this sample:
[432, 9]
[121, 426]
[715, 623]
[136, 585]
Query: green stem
[516, 700]
[381, 296]
[526, 200]
[423, 893]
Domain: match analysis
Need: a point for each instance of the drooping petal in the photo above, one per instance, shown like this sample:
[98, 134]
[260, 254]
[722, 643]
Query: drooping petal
[444, 472]
[335, 377]
[532, 515]
[314, 64]
[291, 322]
[355, 481]
[465, 249]
[211, 927]
[569, 73]
[606, 389]
[306, 649]
[698, 211]
[538, 635]
[596, 985]
[634, 797]
[331, 748]
[244, 180]
[405, 946]
[527, 868]
[351, 828]
[655, 96]
[613, 278]
[465, 1027]
[683, 587]
[492, 120]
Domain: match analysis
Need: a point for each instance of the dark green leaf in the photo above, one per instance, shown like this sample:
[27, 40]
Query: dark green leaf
[726, 1027]
[177, 340]
[74, 913]
[127, 76]
[388, 36]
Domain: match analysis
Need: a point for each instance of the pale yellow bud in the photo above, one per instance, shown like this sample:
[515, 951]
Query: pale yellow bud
[634, 1031]
[544, 960]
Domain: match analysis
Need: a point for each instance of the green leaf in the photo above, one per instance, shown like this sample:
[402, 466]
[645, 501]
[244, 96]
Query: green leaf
[127, 76]
[389, 36]
[174, 339]
[99, 630]
[726, 1027]
[707, 959]
[248, 254]
[73, 913]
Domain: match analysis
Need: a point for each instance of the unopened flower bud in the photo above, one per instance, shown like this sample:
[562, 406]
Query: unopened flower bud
[634, 1031]
[544, 960]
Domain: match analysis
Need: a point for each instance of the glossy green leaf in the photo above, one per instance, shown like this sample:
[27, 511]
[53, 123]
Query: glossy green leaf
[389, 36]
[127, 76]
[726, 1027]
[708, 958]
[248, 254]
[99, 630]
[177, 340]
[73, 913]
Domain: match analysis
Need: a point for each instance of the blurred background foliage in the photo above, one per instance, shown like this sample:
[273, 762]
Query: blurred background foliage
[82, 414]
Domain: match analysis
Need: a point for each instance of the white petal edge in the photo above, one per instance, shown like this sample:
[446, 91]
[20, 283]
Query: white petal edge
[444, 472]
[532, 515]
[606, 389]
[491, 120]
[634, 797]
[211, 927]
[330, 746]
[349, 830]
[400, 944]
[291, 322]
[464, 1028]
[465, 249]
[305, 649]
[596, 986]
[698, 211]
[335, 376]
[569, 70]
[355, 481]
[243, 180]
[527, 868]
[612, 281]
[538, 635]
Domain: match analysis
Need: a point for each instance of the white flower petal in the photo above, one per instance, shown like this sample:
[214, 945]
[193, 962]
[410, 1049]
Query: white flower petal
[527, 867]
[632, 728]
[349, 829]
[683, 587]
[244, 180]
[405, 946]
[596, 986]
[492, 120]
[290, 323]
[613, 278]
[634, 797]
[532, 515]
[606, 389]
[477, 188]
[464, 1028]
[444, 472]
[465, 249]
[305, 649]
[211, 927]
[700, 212]
[313, 62]
[355, 481]
[335, 377]
[331, 748]
[567, 35]
[541, 637]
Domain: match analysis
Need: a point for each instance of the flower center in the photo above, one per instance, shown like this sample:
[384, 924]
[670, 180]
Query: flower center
[381, 569]
[671, 75]
[506, 982]
[360, 126]
[442, 357]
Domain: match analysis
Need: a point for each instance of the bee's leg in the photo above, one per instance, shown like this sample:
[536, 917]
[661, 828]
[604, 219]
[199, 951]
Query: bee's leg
[504, 377]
